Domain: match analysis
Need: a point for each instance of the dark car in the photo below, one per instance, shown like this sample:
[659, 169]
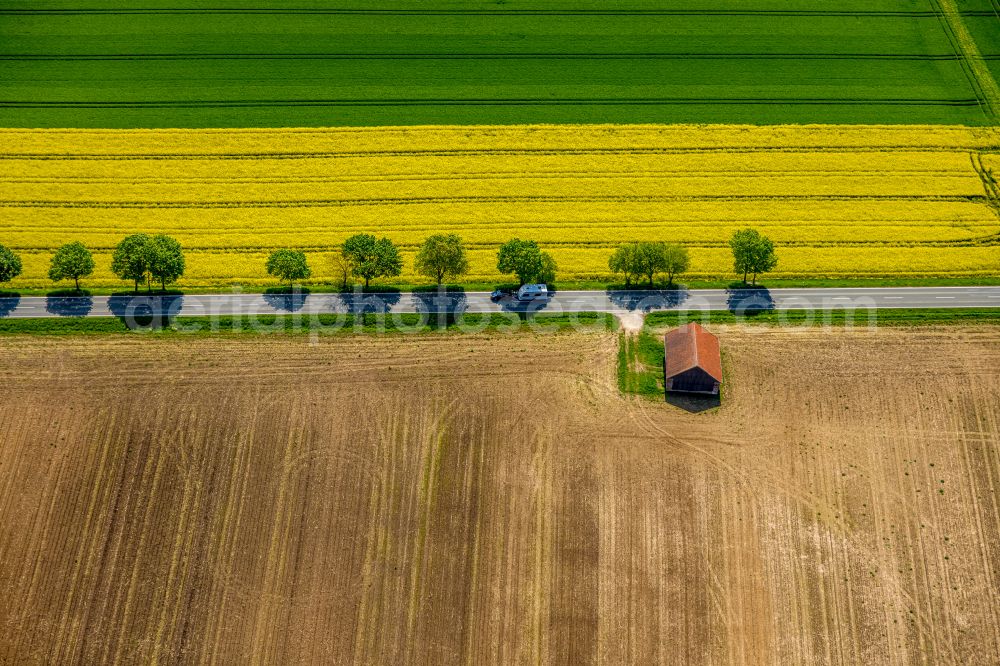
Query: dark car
[500, 294]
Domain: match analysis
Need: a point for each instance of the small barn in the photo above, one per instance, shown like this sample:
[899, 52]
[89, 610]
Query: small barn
[692, 361]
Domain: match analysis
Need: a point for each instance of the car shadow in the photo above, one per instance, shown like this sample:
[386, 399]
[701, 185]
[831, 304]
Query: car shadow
[524, 309]
[8, 302]
[749, 301]
[145, 311]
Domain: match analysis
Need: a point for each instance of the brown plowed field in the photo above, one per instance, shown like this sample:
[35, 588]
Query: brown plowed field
[484, 500]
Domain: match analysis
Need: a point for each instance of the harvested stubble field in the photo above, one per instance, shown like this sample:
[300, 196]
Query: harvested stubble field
[255, 63]
[232, 500]
[838, 201]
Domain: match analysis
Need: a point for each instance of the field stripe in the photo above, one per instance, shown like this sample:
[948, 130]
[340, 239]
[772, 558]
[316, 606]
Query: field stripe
[483, 152]
[969, 242]
[524, 101]
[480, 175]
[482, 12]
[931, 57]
[320, 203]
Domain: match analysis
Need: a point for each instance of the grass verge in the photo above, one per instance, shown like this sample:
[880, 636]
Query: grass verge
[640, 365]
[369, 324]
[881, 316]
[576, 285]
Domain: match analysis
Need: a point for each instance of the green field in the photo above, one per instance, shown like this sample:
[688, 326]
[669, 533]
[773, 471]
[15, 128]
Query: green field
[176, 63]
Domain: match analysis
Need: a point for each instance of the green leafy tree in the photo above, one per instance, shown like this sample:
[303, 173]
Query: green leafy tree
[635, 260]
[752, 253]
[372, 258]
[441, 256]
[130, 260]
[166, 260]
[71, 262]
[651, 258]
[288, 266]
[10, 265]
[624, 260]
[677, 262]
[342, 267]
[522, 258]
[547, 273]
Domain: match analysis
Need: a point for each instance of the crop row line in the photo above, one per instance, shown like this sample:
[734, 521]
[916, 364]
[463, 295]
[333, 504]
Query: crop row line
[484, 176]
[486, 152]
[653, 220]
[633, 101]
[984, 241]
[483, 12]
[972, 229]
[488, 56]
[336, 203]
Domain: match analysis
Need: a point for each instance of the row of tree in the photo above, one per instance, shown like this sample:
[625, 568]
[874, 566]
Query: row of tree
[141, 258]
[753, 254]
[138, 258]
[441, 257]
[637, 260]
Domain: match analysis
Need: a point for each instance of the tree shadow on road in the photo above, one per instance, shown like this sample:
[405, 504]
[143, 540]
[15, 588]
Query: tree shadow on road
[362, 303]
[286, 299]
[441, 305]
[8, 302]
[660, 299]
[69, 303]
[145, 311]
[749, 301]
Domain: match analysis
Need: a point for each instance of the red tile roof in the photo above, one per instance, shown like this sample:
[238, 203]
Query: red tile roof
[692, 346]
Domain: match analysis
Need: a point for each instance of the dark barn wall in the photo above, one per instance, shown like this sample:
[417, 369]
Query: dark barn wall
[694, 380]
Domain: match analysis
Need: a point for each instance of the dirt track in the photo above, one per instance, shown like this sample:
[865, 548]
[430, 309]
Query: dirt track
[493, 500]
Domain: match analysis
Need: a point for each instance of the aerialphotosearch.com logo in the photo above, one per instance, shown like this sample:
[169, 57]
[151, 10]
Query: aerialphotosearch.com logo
[299, 311]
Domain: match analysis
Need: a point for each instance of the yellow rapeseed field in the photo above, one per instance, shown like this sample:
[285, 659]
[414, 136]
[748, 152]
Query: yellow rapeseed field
[839, 201]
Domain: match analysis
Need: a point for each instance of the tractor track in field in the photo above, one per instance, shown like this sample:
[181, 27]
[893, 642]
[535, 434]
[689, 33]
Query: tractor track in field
[985, 240]
[500, 102]
[651, 174]
[498, 152]
[413, 201]
[483, 12]
[978, 74]
[943, 57]
[989, 181]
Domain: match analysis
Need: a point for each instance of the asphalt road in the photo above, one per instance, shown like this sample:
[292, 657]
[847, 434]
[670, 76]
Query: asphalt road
[619, 302]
